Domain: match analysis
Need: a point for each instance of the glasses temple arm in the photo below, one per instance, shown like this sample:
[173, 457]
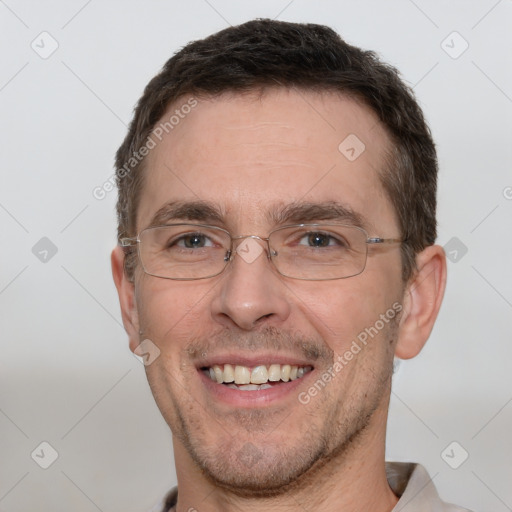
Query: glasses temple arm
[128, 242]
[378, 240]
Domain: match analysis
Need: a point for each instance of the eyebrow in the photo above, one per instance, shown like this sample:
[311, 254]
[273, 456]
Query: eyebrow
[293, 213]
[201, 211]
[302, 212]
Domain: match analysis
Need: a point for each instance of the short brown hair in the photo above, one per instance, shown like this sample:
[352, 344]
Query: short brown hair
[265, 53]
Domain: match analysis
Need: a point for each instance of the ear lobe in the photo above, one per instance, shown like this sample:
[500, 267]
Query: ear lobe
[126, 292]
[422, 300]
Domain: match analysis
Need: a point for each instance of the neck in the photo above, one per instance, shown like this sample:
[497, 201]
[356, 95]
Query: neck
[353, 480]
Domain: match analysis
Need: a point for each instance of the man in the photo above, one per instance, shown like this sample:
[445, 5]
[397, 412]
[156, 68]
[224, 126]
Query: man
[277, 195]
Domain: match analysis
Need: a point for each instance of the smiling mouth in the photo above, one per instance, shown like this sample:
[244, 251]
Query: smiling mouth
[259, 377]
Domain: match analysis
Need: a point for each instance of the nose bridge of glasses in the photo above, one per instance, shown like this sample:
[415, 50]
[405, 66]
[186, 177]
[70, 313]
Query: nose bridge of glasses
[244, 237]
[249, 247]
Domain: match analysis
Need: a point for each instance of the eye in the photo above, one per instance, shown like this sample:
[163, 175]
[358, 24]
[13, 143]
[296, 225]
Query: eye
[192, 241]
[320, 239]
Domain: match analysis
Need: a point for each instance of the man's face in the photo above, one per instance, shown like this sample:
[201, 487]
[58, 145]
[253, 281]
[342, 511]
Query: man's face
[250, 159]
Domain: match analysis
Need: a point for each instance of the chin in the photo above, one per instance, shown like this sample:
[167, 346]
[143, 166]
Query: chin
[257, 473]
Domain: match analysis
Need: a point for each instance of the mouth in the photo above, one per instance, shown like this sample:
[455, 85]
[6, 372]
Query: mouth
[255, 378]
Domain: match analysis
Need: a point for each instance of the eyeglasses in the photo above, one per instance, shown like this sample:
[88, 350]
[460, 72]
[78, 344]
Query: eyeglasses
[313, 252]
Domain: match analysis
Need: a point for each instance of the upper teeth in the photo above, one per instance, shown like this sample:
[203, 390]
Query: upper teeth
[258, 375]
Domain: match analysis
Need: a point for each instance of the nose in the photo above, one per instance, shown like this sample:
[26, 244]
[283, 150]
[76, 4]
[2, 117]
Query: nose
[251, 292]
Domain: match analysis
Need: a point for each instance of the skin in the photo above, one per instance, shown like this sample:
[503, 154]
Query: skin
[247, 155]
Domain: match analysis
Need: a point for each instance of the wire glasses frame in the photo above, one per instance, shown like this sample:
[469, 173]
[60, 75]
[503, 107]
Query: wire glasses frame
[176, 251]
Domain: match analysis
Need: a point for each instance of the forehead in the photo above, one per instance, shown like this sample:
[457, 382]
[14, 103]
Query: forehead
[249, 154]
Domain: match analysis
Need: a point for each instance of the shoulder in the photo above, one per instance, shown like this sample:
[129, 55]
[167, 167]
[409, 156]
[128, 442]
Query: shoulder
[416, 489]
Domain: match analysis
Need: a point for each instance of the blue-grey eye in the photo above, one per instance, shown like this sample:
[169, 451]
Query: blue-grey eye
[194, 241]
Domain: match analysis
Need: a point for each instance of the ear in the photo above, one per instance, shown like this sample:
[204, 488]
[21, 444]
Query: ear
[422, 300]
[126, 292]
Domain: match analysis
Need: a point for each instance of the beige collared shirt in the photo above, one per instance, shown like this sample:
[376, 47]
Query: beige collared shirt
[410, 482]
[416, 490]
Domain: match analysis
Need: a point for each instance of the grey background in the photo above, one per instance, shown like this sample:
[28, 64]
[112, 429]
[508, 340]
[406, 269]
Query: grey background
[66, 374]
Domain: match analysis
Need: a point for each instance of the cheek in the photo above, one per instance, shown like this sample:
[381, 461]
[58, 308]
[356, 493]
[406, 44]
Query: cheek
[168, 312]
[342, 313]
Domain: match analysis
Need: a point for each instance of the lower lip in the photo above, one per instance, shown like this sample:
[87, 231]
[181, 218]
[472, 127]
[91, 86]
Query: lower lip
[256, 398]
